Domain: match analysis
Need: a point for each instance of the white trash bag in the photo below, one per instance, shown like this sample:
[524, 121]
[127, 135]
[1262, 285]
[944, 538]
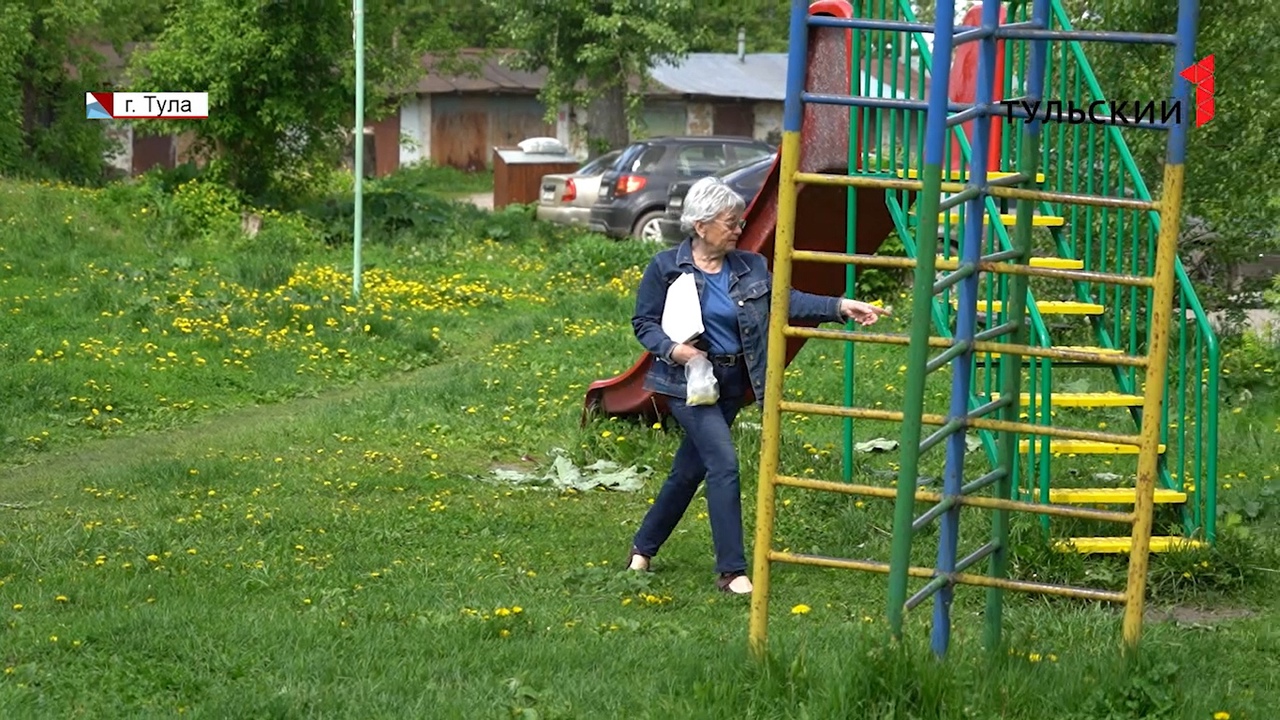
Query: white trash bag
[702, 386]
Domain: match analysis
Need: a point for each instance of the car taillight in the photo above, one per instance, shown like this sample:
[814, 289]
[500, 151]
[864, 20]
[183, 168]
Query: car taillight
[570, 191]
[628, 184]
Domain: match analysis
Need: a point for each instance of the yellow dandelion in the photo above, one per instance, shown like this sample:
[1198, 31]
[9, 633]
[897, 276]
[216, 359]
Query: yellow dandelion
[800, 609]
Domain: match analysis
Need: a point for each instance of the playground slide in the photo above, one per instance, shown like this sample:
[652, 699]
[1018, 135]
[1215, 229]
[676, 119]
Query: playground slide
[821, 214]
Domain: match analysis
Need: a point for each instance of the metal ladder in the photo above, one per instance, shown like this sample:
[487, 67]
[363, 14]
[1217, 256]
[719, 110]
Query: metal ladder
[991, 491]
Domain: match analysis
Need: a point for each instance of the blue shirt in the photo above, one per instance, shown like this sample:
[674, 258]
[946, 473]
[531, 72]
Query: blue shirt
[720, 313]
[749, 286]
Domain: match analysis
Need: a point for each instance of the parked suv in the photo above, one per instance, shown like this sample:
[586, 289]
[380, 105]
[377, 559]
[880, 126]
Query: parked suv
[746, 179]
[633, 193]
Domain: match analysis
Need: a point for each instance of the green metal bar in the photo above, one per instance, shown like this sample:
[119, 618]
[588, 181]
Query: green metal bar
[1076, 132]
[947, 356]
[1089, 212]
[950, 279]
[357, 13]
[1136, 260]
[1046, 419]
[1210, 475]
[856, 120]
[947, 502]
[918, 355]
[940, 581]
[940, 434]
[1195, 495]
[1011, 366]
[922, 305]
[1033, 443]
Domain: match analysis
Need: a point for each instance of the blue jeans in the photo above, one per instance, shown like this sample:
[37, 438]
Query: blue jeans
[707, 452]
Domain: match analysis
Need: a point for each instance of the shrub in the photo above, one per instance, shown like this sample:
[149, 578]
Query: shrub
[206, 210]
[266, 260]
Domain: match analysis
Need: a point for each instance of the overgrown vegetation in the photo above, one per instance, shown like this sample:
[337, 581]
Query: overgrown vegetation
[205, 425]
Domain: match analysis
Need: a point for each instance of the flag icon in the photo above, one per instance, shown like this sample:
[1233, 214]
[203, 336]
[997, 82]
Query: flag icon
[97, 106]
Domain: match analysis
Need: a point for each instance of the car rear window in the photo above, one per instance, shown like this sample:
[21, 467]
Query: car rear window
[747, 153]
[600, 164]
[701, 159]
[646, 161]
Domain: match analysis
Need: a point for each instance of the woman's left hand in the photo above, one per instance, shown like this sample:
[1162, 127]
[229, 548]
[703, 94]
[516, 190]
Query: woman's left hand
[864, 313]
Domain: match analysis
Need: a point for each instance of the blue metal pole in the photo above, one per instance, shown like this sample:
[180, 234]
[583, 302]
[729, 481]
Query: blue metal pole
[1184, 57]
[797, 64]
[966, 319]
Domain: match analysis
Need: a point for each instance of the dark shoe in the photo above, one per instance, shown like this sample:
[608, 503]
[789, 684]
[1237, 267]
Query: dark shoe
[638, 561]
[734, 583]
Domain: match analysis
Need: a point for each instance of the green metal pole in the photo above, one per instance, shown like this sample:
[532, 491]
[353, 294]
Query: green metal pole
[1011, 387]
[1011, 363]
[851, 236]
[357, 13]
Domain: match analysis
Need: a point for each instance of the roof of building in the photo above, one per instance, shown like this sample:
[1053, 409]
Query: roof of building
[475, 70]
[756, 76]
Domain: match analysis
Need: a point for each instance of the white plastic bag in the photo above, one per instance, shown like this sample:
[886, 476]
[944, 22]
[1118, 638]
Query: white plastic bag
[702, 386]
[682, 313]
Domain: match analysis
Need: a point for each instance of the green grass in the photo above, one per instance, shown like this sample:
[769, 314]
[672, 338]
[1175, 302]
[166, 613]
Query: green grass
[448, 181]
[305, 523]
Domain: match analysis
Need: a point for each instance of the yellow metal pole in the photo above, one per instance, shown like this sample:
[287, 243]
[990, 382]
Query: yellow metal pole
[771, 417]
[1153, 397]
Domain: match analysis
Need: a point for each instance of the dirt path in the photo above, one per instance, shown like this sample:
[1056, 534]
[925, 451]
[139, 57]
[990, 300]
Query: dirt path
[32, 481]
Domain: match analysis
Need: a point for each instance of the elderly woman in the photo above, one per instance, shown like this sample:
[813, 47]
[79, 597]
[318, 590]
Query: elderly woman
[734, 289]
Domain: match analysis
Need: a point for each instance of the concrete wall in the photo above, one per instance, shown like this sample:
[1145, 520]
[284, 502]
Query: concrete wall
[425, 121]
[768, 125]
[700, 119]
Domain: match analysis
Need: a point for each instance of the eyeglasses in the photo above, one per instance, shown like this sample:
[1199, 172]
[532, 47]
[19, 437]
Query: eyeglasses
[740, 224]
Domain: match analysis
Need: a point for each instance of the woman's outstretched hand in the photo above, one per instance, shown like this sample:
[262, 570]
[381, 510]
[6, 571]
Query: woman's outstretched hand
[864, 313]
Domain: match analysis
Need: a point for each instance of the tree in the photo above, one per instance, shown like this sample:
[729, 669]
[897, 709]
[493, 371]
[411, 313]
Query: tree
[1233, 169]
[47, 62]
[444, 26]
[281, 80]
[765, 22]
[597, 53]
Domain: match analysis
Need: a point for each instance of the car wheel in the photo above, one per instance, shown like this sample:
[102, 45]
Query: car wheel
[648, 229]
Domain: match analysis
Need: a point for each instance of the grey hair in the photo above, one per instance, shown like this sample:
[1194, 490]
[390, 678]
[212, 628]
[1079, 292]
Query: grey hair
[706, 200]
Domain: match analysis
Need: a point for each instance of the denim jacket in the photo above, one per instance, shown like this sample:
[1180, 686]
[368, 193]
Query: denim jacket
[750, 286]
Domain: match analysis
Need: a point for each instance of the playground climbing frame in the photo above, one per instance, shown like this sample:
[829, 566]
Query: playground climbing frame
[938, 197]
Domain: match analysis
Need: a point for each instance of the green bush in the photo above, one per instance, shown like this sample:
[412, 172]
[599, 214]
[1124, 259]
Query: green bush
[266, 260]
[1249, 361]
[206, 209]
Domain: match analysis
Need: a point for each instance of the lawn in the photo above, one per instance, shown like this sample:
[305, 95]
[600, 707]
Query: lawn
[231, 489]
